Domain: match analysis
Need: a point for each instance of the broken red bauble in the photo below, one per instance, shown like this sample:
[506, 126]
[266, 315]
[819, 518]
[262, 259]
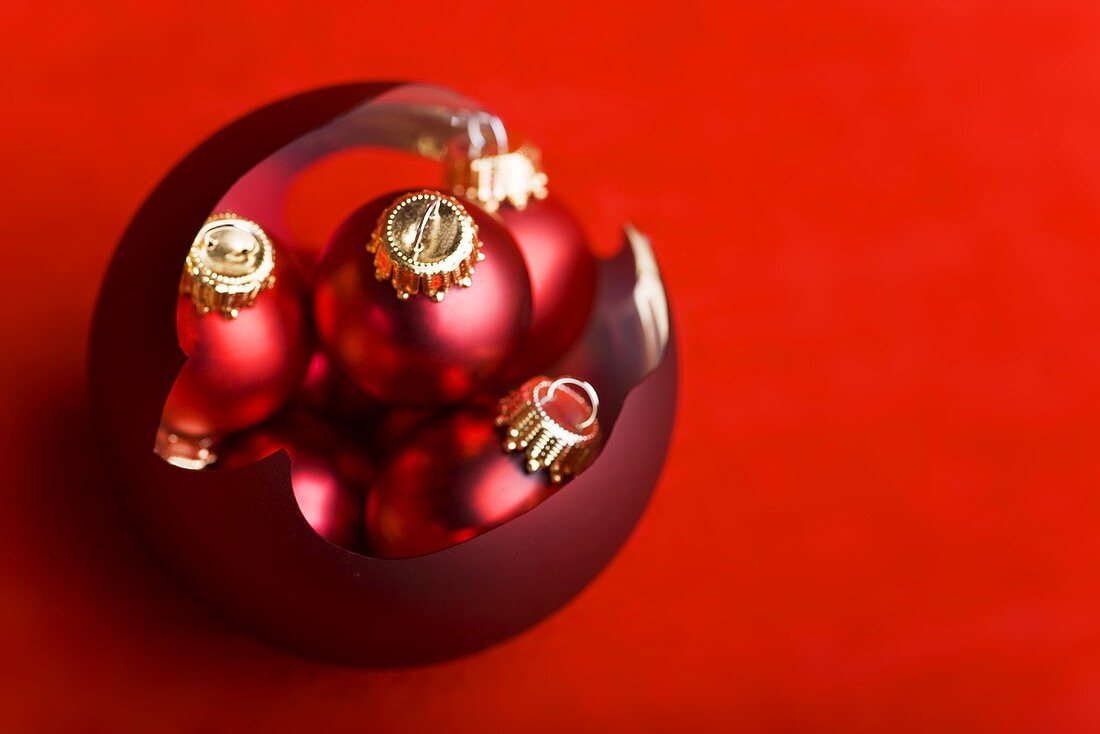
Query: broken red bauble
[562, 270]
[329, 475]
[391, 337]
[236, 538]
[450, 483]
[240, 368]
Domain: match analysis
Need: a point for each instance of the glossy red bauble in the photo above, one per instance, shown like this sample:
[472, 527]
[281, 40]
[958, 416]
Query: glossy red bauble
[451, 483]
[329, 476]
[240, 371]
[562, 270]
[418, 351]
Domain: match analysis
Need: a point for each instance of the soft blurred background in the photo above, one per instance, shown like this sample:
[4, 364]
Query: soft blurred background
[879, 223]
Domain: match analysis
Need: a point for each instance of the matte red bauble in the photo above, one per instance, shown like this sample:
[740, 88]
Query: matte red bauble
[328, 475]
[562, 270]
[239, 370]
[451, 483]
[405, 346]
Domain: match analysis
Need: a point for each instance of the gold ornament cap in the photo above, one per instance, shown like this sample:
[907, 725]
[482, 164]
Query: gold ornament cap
[553, 422]
[231, 262]
[424, 243]
[184, 451]
[491, 180]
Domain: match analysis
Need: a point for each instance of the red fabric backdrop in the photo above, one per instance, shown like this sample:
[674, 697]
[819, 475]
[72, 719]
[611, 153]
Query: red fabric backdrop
[879, 224]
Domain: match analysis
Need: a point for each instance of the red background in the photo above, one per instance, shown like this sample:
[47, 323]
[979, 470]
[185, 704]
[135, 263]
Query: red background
[879, 227]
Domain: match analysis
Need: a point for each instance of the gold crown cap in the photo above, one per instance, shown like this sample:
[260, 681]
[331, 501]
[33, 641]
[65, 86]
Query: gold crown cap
[184, 451]
[231, 262]
[545, 420]
[515, 177]
[424, 243]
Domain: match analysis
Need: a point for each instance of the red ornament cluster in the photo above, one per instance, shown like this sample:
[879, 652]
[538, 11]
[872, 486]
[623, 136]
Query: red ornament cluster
[382, 399]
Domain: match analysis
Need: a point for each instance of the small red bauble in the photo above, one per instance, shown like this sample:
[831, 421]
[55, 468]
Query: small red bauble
[451, 483]
[416, 350]
[562, 270]
[329, 476]
[240, 369]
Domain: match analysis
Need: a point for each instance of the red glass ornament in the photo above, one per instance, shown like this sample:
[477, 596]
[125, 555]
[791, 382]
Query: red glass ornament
[450, 483]
[240, 371]
[562, 270]
[418, 351]
[329, 476]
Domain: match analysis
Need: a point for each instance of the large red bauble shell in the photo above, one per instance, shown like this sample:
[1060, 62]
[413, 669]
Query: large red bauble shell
[240, 371]
[562, 270]
[420, 352]
[450, 483]
[236, 538]
[329, 476]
